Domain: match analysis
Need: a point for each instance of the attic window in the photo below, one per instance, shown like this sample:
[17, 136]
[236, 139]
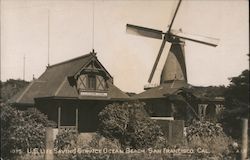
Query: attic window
[91, 82]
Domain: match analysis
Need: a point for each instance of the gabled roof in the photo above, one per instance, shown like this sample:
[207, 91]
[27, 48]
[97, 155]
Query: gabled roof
[54, 82]
[214, 94]
[162, 90]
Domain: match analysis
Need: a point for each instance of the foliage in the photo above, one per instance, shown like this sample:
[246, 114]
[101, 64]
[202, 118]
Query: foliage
[8, 117]
[208, 136]
[99, 142]
[130, 124]
[208, 92]
[70, 140]
[205, 135]
[237, 104]
[11, 87]
[203, 129]
[238, 88]
[21, 130]
[66, 139]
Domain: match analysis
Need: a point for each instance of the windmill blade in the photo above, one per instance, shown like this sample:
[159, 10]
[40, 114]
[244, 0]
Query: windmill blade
[175, 13]
[156, 79]
[156, 61]
[197, 38]
[143, 31]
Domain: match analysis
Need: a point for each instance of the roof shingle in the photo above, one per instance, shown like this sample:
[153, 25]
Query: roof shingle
[54, 83]
[162, 90]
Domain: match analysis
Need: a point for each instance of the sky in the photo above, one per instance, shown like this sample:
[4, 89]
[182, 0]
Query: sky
[128, 58]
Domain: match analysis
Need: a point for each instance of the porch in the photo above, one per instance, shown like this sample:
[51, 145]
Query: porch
[77, 115]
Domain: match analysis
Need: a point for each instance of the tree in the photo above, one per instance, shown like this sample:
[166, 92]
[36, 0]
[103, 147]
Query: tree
[130, 124]
[238, 89]
[11, 87]
[237, 104]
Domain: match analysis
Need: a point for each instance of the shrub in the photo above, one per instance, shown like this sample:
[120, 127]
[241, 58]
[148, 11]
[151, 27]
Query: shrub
[101, 142]
[98, 142]
[70, 140]
[66, 140]
[130, 124]
[208, 136]
[21, 130]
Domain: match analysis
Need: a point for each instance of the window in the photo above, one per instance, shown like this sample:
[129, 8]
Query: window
[92, 82]
[100, 83]
[82, 82]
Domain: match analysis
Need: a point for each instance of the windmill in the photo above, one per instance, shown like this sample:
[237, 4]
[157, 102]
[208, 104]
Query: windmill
[174, 67]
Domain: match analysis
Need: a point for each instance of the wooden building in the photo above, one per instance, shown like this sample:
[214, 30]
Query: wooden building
[72, 93]
[178, 100]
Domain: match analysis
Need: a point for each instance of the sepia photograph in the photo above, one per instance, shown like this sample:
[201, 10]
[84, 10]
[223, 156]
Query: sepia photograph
[124, 79]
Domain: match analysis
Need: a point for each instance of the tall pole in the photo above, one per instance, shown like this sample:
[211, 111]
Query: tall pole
[48, 36]
[0, 36]
[24, 68]
[93, 25]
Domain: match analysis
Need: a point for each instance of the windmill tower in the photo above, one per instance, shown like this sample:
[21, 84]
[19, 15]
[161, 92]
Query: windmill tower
[175, 65]
[174, 68]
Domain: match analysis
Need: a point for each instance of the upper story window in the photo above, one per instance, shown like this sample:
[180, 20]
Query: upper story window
[91, 82]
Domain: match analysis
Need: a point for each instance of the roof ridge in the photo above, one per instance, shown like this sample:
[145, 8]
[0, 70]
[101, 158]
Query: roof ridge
[70, 60]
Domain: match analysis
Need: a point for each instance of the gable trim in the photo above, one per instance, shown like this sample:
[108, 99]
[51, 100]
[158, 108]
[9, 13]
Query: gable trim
[93, 59]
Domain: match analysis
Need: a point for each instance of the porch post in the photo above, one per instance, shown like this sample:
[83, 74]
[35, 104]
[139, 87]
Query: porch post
[76, 118]
[59, 117]
[172, 110]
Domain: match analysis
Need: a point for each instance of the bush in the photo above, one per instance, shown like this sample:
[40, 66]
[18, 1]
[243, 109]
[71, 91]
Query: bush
[97, 142]
[208, 136]
[100, 142]
[69, 140]
[130, 124]
[66, 140]
[21, 130]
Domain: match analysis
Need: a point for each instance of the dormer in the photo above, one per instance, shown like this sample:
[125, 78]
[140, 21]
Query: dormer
[92, 79]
